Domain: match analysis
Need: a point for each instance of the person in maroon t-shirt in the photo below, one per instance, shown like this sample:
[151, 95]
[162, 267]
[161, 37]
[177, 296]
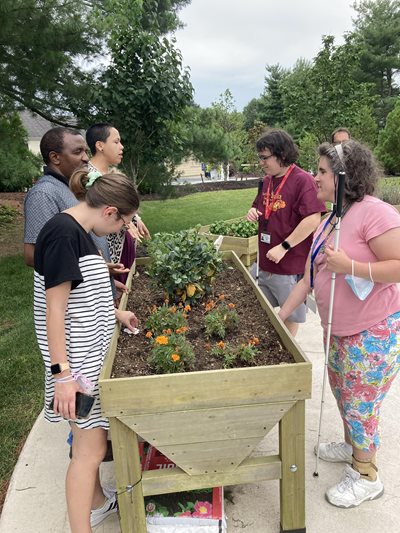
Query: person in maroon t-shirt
[288, 212]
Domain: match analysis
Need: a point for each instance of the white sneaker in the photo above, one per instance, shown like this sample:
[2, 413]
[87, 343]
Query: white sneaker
[353, 489]
[335, 452]
[110, 506]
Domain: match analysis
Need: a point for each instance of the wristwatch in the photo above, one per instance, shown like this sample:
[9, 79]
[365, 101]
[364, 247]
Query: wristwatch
[57, 368]
[286, 245]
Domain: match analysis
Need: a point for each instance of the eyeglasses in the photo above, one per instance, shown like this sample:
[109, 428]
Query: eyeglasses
[264, 157]
[126, 225]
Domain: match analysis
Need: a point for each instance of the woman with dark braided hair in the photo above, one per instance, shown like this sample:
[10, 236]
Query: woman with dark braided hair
[74, 322]
[364, 356]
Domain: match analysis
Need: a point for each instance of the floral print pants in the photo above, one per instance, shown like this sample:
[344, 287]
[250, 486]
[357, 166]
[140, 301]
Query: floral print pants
[361, 369]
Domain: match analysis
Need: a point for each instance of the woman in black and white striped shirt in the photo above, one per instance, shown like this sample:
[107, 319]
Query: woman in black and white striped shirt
[74, 321]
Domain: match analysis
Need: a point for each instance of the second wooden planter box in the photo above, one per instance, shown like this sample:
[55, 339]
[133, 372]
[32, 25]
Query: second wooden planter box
[209, 423]
[244, 248]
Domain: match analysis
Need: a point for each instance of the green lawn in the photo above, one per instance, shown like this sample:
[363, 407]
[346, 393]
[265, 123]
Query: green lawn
[21, 369]
[199, 208]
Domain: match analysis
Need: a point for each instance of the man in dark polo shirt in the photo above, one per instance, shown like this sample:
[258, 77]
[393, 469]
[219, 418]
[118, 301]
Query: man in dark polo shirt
[288, 212]
[63, 151]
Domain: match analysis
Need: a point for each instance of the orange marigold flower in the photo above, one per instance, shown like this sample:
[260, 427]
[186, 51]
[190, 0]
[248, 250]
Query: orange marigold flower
[175, 357]
[231, 306]
[222, 297]
[187, 308]
[149, 334]
[255, 341]
[209, 305]
[221, 345]
[172, 309]
[169, 331]
[161, 339]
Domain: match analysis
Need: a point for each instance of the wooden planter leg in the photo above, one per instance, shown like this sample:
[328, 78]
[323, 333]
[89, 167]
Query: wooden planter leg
[128, 474]
[292, 483]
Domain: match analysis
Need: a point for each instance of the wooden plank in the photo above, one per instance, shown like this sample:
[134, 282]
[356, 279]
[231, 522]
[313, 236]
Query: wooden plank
[211, 388]
[252, 470]
[211, 456]
[202, 425]
[292, 484]
[128, 473]
[112, 349]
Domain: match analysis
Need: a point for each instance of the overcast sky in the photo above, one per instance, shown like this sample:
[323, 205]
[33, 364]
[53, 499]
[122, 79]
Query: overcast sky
[228, 43]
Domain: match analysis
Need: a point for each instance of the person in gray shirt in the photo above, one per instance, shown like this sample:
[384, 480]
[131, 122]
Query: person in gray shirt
[63, 151]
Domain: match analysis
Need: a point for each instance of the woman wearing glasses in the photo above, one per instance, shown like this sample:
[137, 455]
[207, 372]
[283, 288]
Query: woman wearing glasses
[74, 321]
[288, 212]
[364, 355]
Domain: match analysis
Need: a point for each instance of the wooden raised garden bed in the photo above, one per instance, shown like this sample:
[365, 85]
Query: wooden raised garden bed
[208, 423]
[245, 248]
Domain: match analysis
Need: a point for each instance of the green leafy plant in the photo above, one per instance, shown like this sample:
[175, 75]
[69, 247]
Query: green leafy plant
[226, 351]
[246, 352]
[240, 228]
[7, 215]
[166, 318]
[184, 264]
[220, 320]
[171, 353]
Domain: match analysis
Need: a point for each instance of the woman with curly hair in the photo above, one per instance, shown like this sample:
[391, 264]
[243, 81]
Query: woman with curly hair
[364, 355]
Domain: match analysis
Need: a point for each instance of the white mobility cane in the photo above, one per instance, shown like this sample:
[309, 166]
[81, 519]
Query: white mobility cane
[338, 210]
[260, 186]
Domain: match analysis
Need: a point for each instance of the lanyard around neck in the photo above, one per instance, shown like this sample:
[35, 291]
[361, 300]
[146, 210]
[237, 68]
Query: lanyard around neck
[271, 197]
[315, 248]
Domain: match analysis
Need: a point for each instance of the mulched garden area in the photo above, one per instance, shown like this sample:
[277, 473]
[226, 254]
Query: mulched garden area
[133, 350]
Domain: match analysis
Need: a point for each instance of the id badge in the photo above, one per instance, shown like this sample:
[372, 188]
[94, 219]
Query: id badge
[265, 238]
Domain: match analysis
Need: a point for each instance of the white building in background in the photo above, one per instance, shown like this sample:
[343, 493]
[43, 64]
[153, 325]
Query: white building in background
[36, 126]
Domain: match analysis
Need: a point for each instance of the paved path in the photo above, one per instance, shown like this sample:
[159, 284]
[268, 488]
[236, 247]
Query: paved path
[35, 501]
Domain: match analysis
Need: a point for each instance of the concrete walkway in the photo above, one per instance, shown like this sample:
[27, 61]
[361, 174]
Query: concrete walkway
[35, 500]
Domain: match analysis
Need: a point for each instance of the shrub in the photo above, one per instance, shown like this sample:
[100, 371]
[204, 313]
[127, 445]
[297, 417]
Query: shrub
[183, 264]
[7, 215]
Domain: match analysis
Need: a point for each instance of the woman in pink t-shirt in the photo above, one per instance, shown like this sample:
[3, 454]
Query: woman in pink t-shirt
[364, 355]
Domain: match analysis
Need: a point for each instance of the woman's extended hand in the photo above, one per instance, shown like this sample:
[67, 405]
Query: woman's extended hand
[338, 261]
[127, 319]
[116, 268]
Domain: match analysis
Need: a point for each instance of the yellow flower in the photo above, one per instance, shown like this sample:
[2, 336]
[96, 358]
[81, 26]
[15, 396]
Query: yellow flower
[161, 339]
[187, 308]
[221, 345]
[175, 357]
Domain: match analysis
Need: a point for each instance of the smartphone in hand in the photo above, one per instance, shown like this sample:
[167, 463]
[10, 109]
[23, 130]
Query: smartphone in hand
[83, 404]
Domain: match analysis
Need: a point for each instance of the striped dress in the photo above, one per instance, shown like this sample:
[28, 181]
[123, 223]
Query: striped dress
[65, 252]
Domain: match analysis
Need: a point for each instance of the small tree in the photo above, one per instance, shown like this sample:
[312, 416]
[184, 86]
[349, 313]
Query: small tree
[388, 149]
[308, 152]
[18, 166]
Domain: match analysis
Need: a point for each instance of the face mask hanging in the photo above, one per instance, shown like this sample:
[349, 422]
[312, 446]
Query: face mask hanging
[360, 286]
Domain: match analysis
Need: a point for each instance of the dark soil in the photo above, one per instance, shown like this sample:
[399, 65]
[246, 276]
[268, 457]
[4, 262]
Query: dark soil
[133, 350]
